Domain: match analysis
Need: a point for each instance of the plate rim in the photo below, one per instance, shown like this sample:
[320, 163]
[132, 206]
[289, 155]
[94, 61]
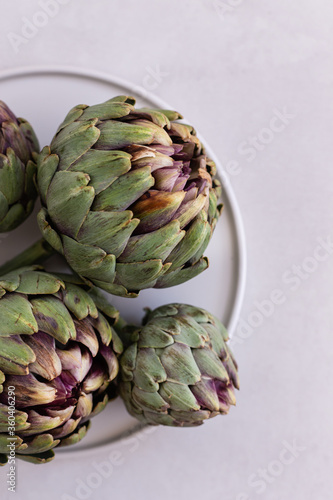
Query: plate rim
[137, 90]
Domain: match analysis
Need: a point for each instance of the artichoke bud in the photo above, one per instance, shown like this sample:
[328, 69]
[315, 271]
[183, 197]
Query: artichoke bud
[117, 185]
[178, 370]
[18, 154]
[58, 353]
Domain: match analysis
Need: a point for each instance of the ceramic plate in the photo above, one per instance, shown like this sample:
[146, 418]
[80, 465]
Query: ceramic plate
[44, 96]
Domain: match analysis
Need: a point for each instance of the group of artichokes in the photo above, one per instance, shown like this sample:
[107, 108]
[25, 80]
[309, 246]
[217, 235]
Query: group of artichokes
[130, 199]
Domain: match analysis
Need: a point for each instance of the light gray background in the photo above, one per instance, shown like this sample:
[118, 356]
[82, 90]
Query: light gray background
[230, 67]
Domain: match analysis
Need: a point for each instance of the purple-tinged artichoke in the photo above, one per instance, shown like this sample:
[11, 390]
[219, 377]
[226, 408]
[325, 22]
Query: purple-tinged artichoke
[177, 369]
[18, 154]
[129, 196]
[58, 358]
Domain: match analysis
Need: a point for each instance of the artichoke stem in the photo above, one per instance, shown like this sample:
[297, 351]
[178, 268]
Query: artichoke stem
[120, 324]
[125, 331]
[36, 254]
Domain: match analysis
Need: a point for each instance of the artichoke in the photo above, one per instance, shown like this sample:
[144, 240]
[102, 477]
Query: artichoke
[129, 196]
[58, 356]
[177, 369]
[18, 153]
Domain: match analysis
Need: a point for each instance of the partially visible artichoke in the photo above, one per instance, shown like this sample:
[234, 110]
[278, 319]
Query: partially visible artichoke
[177, 369]
[130, 197]
[18, 154]
[58, 353]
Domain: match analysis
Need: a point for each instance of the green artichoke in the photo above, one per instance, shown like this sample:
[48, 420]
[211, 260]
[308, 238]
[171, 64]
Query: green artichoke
[177, 369]
[18, 154]
[129, 196]
[58, 356]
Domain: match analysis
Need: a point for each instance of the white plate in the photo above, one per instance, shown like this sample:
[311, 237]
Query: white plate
[44, 96]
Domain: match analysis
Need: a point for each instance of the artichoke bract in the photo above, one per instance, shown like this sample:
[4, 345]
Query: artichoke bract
[177, 369]
[58, 358]
[18, 154]
[130, 197]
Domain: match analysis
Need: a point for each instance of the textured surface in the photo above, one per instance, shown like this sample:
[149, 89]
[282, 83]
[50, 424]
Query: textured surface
[238, 70]
[58, 359]
[129, 196]
[177, 369]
